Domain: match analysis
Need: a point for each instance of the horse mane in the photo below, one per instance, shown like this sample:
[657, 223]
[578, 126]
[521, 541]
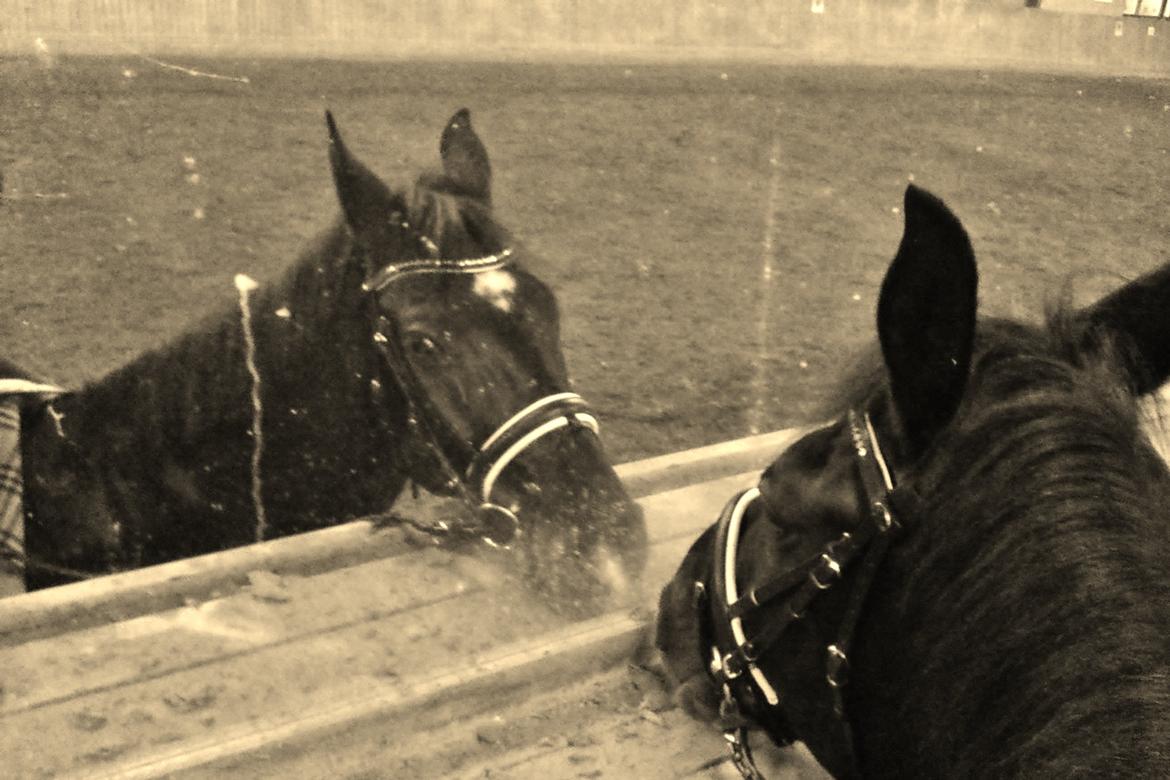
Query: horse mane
[190, 401]
[159, 396]
[1033, 587]
[169, 434]
[322, 286]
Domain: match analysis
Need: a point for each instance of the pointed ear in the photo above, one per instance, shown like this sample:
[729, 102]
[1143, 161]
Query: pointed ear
[365, 200]
[465, 160]
[926, 318]
[1137, 318]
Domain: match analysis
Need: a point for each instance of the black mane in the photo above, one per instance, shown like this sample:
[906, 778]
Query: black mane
[181, 416]
[1043, 536]
[171, 389]
[169, 436]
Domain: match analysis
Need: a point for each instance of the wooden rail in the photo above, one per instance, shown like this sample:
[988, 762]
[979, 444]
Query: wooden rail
[108, 678]
[170, 585]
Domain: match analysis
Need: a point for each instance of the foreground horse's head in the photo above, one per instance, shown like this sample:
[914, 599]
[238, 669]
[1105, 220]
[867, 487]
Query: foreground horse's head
[965, 573]
[471, 342]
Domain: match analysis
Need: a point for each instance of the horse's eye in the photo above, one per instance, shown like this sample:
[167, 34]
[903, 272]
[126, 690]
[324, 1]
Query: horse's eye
[421, 345]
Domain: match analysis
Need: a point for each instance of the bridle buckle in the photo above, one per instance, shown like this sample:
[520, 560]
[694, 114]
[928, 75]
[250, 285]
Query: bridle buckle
[831, 570]
[837, 666]
[882, 516]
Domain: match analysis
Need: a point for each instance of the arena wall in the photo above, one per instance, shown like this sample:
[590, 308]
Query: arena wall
[930, 32]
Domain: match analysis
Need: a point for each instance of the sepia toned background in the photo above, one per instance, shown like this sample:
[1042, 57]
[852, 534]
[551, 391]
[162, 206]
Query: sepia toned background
[712, 189]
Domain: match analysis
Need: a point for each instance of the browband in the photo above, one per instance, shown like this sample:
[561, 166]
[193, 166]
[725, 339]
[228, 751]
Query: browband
[476, 265]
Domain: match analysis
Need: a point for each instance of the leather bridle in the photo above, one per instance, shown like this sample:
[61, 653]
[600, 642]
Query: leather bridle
[494, 523]
[735, 654]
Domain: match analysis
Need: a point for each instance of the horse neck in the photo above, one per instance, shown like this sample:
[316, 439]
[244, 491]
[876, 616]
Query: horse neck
[1024, 611]
[295, 359]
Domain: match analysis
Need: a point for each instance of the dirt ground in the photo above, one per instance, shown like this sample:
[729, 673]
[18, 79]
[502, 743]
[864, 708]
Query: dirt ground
[649, 196]
[127, 698]
[653, 198]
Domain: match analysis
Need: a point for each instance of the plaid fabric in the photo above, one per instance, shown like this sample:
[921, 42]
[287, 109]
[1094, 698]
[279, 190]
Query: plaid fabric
[11, 513]
[12, 390]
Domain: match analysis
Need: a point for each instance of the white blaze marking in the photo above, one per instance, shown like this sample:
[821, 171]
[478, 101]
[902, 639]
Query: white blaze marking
[496, 287]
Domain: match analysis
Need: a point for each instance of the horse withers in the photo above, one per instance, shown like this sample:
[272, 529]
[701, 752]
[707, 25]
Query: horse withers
[410, 342]
[967, 572]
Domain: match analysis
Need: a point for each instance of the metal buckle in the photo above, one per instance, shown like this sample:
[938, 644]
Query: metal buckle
[883, 516]
[837, 667]
[831, 568]
[698, 595]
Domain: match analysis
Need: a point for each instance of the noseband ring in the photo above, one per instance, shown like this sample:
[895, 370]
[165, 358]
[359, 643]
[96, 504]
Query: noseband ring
[491, 533]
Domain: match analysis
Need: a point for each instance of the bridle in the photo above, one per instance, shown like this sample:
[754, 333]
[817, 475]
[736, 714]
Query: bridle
[494, 523]
[734, 654]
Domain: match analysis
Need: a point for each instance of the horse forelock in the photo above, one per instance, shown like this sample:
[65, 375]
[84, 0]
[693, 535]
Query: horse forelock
[460, 225]
[1032, 588]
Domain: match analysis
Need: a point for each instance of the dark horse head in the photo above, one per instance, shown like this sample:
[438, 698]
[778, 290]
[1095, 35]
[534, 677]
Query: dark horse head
[411, 343]
[967, 572]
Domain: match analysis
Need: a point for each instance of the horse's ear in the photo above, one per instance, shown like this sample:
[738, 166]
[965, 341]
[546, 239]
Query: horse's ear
[365, 200]
[465, 159]
[926, 318]
[1136, 318]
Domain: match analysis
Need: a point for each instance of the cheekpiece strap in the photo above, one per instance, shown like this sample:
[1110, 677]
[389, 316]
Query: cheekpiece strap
[876, 475]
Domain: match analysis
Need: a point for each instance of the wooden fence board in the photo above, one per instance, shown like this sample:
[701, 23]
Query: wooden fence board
[170, 585]
[164, 693]
[269, 669]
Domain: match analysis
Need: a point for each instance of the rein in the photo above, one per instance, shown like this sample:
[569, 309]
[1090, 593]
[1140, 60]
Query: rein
[734, 654]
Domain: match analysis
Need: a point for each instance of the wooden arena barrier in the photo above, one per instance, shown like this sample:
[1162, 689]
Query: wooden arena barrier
[250, 659]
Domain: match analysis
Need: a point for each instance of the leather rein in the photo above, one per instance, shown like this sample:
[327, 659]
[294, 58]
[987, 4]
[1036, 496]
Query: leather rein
[734, 654]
